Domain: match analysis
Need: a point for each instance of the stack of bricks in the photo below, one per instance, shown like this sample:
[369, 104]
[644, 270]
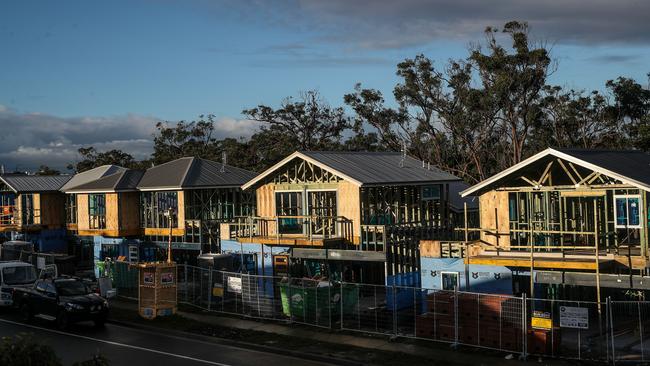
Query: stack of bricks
[488, 321]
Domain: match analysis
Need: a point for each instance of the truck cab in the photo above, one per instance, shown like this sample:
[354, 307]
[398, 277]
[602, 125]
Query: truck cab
[13, 275]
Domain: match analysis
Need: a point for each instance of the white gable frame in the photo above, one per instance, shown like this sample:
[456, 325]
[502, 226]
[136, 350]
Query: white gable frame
[300, 155]
[550, 151]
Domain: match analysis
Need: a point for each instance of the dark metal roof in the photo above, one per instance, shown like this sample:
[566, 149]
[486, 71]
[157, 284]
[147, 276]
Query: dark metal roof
[371, 168]
[457, 202]
[130, 180]
[109, 178]
[191, 172]
[629, 166]
[34, 183]
[629, 163]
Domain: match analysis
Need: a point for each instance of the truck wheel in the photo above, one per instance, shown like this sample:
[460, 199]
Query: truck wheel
[26, 313]
[62, 320]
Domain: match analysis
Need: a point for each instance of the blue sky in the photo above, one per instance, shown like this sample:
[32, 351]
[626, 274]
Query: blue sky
[104, 72]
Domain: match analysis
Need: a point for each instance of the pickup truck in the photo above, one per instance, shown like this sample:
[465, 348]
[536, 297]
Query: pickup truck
[64, 300]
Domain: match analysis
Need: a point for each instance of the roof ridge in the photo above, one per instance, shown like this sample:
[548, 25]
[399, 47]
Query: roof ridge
[119, 180]
[187, 170]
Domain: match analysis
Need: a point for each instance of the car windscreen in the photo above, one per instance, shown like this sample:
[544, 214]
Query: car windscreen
[71, 288]
[19, 275]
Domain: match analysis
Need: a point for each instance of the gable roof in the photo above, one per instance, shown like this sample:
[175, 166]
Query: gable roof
[106, 178]
[192, 172]
[629, 166]
[366, 168]
[34, 183]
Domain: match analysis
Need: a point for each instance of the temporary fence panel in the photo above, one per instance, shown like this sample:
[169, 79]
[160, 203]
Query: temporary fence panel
[365, 308]
[612, 331]
[628, 333]
[567, 329]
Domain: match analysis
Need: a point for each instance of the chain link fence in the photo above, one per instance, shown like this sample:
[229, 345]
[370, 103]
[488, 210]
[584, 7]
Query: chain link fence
[613, 331]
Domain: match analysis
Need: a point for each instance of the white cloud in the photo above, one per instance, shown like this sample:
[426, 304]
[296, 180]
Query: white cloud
[231, 127]
[29, 140]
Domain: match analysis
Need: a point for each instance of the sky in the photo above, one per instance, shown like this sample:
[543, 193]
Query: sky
[101, 73]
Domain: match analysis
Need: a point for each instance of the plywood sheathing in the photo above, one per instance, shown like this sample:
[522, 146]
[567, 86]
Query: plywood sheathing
[349, 206]
[494, 216]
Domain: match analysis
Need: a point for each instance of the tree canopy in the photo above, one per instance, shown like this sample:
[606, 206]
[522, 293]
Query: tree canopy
[473, 116]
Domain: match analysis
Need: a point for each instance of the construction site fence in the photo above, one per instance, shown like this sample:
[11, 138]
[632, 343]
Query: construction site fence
[610, 331]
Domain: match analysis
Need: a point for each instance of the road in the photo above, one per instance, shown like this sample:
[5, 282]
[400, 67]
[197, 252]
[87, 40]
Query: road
[130, 346]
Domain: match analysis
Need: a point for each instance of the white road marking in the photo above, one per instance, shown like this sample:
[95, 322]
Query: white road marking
[117, 343]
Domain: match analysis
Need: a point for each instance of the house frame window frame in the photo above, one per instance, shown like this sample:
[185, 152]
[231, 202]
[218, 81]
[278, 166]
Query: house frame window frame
[302, 207]
[627, 211]
[442, 280]
[100, 217]
[306, 204]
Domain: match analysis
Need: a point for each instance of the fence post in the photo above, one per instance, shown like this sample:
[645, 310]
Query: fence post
[611, 328]
[257, 292]
[329, 305]
[194, 271]
[273, 304]
[304, 302]
[478, 319]
[638, 305]
[186, 284]
[579, 340]
[394, 309]
[224, 284]
[341, 297]
[290, 299]
[358, 307]
[524, 326]
[209, 288]
[455, 317]
[201, 288]
[316, 297]
[375, 306]
[415, 315]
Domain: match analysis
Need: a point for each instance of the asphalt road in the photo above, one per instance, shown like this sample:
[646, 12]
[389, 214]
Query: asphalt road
[136, 347]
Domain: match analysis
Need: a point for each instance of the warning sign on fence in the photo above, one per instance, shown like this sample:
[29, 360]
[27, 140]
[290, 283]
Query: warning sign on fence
[234, 284]
[541, 320]
[574, 317]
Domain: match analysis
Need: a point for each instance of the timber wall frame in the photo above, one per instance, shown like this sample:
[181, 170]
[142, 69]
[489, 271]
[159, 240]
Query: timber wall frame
[198, 214]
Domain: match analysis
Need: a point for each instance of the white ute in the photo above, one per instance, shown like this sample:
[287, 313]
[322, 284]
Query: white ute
[14, 274]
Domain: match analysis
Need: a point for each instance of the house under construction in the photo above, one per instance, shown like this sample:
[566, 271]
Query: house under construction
[565, 224]
[102, 213]
[356, 216]
[31, 209]
[188, 199]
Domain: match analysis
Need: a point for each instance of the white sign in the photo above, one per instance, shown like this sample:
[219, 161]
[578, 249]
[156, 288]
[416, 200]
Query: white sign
[573, 317]
[234, 284]
[40, 262]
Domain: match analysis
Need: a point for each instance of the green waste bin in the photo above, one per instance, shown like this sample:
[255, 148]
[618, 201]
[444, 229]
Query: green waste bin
[299, 300]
